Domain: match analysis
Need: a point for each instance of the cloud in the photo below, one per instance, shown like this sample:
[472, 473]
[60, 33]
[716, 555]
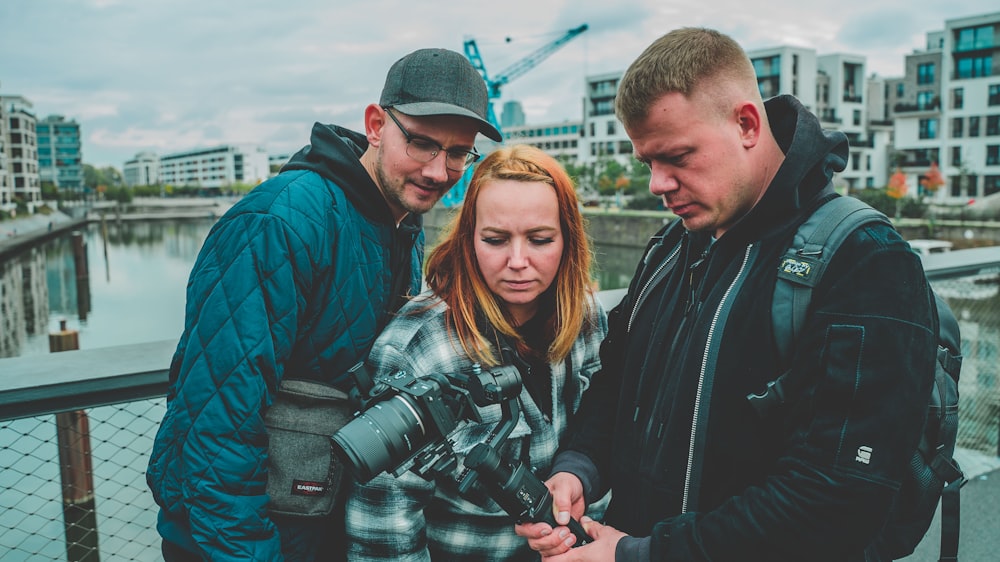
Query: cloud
[178, 74]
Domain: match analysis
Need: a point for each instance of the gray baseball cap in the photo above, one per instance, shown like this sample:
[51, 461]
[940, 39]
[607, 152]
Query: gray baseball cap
[438, 82]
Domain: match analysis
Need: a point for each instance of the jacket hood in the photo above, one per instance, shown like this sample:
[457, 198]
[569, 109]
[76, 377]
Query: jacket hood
[812, 156]
[335, 153]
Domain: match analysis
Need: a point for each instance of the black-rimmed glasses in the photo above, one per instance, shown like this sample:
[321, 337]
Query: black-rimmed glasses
[424, 150]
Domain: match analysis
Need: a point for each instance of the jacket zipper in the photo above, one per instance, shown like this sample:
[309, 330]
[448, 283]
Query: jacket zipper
[649, 282]
[701, 379]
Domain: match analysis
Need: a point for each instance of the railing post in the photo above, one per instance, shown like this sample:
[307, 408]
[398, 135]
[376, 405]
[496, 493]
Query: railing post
[75, 468]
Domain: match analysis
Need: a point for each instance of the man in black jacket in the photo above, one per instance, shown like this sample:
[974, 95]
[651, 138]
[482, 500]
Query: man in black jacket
[695, 472]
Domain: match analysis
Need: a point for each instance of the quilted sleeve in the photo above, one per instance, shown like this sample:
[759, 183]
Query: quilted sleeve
[245, 296]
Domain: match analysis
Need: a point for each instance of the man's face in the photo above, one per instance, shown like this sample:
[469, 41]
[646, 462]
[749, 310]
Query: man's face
[411, 186]
[699, 161]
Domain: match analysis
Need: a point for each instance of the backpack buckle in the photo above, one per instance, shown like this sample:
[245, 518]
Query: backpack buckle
[772, 397]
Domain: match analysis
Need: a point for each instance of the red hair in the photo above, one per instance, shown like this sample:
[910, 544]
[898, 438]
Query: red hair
[453, 274]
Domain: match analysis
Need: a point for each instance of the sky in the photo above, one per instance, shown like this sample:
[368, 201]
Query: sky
[170, 76]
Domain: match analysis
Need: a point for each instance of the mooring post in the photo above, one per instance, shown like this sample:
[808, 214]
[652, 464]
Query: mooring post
[82, 265]
[75, 468]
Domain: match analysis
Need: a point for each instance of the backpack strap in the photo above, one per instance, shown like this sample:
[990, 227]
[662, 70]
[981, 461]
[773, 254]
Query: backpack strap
[801, 268]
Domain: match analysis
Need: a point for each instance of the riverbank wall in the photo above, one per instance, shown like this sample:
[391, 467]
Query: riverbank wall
[608, 228]
[632, 229]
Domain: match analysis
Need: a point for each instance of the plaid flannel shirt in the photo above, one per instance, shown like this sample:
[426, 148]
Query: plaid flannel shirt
[411, 519]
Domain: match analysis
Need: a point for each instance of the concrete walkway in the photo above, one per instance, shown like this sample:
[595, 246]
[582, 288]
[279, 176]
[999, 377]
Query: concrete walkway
[21, 232]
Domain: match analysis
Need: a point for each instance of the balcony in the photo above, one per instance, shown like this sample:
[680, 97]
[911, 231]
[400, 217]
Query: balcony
[119, 393]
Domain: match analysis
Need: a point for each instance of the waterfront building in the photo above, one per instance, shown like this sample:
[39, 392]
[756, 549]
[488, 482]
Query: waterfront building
[144, 169]
[60, 158]
[512, 115]
[276, 161]
[217, 167]
[603, 136]
[841, 88]
[560, 140]
[787, 70]
[950, 110]
[21, 151]
[6, 179]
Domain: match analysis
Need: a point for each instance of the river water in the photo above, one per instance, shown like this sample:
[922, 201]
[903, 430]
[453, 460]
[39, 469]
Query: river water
[137, 279]
[135, 293]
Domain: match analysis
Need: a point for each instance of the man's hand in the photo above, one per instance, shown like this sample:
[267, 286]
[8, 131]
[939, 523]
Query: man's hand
[567, 501]
[601, 549]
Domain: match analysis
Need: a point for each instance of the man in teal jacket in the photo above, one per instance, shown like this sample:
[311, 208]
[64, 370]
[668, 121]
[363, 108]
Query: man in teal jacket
[297, 279]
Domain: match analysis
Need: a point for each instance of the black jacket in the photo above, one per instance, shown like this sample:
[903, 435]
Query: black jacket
[690, 463]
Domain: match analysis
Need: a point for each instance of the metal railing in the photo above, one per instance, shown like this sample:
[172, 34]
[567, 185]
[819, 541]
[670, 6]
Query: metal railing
[121, 391]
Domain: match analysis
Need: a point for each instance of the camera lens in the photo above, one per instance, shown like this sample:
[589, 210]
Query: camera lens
[383, 436]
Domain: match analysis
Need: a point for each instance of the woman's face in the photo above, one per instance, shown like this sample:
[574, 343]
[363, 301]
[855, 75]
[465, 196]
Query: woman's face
[518, 242]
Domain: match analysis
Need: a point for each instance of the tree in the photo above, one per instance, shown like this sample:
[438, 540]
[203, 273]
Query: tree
[932, 180]
[897, 189]
[109, 176]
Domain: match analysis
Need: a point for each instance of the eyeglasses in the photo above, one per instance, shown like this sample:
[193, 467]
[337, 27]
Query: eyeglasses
[425, 150]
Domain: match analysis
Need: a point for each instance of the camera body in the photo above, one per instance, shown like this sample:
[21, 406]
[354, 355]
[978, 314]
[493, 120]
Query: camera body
[404, 421]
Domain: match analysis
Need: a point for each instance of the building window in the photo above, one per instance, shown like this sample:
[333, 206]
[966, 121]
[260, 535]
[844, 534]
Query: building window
[974, 67]
[956, 156]
[611, 128]
[994, 97]
[857, 116]
[972, 38]
[925, 100]
[900, 89]
[993, 155]
[856, 161]
[992, 125]
[957, 98]
[928, 128]
[925, 73]
[974, 126]
[956, 127]
[991, 185]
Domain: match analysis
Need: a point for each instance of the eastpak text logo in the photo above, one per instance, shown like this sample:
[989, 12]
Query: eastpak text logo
[307, 488]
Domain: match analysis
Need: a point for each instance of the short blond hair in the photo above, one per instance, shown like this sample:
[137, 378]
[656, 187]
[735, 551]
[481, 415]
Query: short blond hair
[681, 61]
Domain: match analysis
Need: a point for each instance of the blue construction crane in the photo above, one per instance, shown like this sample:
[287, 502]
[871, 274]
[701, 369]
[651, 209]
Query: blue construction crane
[493, 85]
[517, 69]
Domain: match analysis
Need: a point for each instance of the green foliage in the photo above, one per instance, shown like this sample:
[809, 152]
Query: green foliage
[909, 207]
[108, 177]
[50, 192]
[645, 202]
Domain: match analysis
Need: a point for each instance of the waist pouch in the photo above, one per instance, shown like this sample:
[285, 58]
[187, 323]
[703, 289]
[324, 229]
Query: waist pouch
[304, 476]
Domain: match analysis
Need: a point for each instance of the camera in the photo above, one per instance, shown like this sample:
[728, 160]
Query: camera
[404, 421]
[517, 491]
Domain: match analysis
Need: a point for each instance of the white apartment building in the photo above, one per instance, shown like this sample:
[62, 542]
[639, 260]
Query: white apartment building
[20, 152]
[950, 109]
[603, 135]
[144, 169]
[215, 167]
[786, 70]
[6, 179]
[560, 140]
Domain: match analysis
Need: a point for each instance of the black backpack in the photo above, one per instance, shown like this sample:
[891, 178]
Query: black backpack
[933, 472]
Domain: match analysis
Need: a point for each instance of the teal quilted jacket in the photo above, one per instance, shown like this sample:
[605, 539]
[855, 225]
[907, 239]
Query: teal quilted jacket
[296, 279]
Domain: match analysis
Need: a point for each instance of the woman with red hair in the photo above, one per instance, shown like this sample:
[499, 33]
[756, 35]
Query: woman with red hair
[509, 284]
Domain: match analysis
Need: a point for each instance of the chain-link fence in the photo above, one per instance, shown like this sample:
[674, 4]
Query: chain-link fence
[37, 514]
[976, 303]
